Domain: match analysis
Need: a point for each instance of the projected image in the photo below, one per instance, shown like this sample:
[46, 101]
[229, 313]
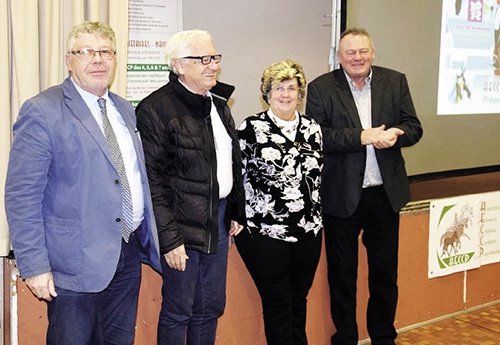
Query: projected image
[469, 66]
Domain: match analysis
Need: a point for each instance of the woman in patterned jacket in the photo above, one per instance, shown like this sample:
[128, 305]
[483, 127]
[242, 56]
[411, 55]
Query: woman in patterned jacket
[282, 162]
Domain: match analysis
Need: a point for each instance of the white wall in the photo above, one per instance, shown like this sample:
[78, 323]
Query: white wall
[253, 34]
[407, 38]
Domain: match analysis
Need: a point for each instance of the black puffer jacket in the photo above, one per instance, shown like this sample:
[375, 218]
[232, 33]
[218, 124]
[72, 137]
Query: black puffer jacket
[177, 137]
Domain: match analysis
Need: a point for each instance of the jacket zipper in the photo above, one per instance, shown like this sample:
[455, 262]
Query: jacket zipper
[209, 251]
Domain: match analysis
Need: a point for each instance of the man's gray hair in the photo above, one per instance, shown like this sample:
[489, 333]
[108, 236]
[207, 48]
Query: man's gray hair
[102, 30]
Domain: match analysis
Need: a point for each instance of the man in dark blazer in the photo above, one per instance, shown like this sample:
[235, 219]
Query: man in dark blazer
[65, 199]
[367, 116]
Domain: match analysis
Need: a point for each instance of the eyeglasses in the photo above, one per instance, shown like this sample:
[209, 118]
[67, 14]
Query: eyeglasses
[290, 89]
[205, 60]
[87, 54]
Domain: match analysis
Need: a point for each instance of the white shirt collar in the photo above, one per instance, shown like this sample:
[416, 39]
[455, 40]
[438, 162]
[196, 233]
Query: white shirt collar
[368, 79]
[208, 94]
[88, 97]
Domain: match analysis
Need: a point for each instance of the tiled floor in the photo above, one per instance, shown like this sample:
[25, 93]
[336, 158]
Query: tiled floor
[476, 327]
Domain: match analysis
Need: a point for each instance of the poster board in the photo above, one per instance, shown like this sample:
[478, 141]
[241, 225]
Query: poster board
[464, 233]
[151, 24]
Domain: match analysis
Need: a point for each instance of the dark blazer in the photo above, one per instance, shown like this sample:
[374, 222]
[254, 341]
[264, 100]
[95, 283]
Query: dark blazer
[331, 103]
[61, 198]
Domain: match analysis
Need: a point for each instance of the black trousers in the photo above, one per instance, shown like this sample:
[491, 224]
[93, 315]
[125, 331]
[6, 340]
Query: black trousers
[283, 273]
[380, 225]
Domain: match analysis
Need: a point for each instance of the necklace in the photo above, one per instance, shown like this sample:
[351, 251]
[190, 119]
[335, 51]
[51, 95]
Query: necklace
[288, 128]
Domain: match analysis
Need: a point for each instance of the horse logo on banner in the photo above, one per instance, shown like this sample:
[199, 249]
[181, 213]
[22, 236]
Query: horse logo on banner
[455, 224]
[451, 239]
[464, 233]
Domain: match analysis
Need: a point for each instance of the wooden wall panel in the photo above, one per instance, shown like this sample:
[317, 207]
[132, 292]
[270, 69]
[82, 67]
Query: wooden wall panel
[420, 299]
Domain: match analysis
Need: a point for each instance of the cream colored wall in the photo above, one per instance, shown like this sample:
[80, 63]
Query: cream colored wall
[407, 38]
[253, 34]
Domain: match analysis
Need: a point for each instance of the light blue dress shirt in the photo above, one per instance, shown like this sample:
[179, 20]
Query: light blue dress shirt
[363, 100]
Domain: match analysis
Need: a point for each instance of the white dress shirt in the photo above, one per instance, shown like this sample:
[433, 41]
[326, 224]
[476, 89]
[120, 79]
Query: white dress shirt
[363, 99]
[123, 136]
[224, 152]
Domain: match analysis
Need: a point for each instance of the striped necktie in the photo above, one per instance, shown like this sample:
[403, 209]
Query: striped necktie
[127, 208]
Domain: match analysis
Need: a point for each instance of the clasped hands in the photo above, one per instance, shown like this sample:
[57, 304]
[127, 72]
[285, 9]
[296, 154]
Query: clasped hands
[380, 137]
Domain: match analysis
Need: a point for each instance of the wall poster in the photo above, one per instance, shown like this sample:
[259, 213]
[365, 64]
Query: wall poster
[151, 24]
[469, 64]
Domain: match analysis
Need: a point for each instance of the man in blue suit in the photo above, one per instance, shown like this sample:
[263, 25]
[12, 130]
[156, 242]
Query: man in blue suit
[366, 115]
[77, 198]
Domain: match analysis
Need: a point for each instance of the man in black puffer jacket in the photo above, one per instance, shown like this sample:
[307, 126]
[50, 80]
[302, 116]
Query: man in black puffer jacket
[194, 169]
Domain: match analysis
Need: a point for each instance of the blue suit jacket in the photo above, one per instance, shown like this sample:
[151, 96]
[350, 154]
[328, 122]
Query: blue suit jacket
[61, 200]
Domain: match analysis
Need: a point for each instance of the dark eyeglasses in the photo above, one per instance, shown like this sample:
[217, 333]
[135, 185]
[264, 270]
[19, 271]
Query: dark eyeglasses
[205, 60]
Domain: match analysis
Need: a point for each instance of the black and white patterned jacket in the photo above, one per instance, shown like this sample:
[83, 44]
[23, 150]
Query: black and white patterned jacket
[282, 177]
